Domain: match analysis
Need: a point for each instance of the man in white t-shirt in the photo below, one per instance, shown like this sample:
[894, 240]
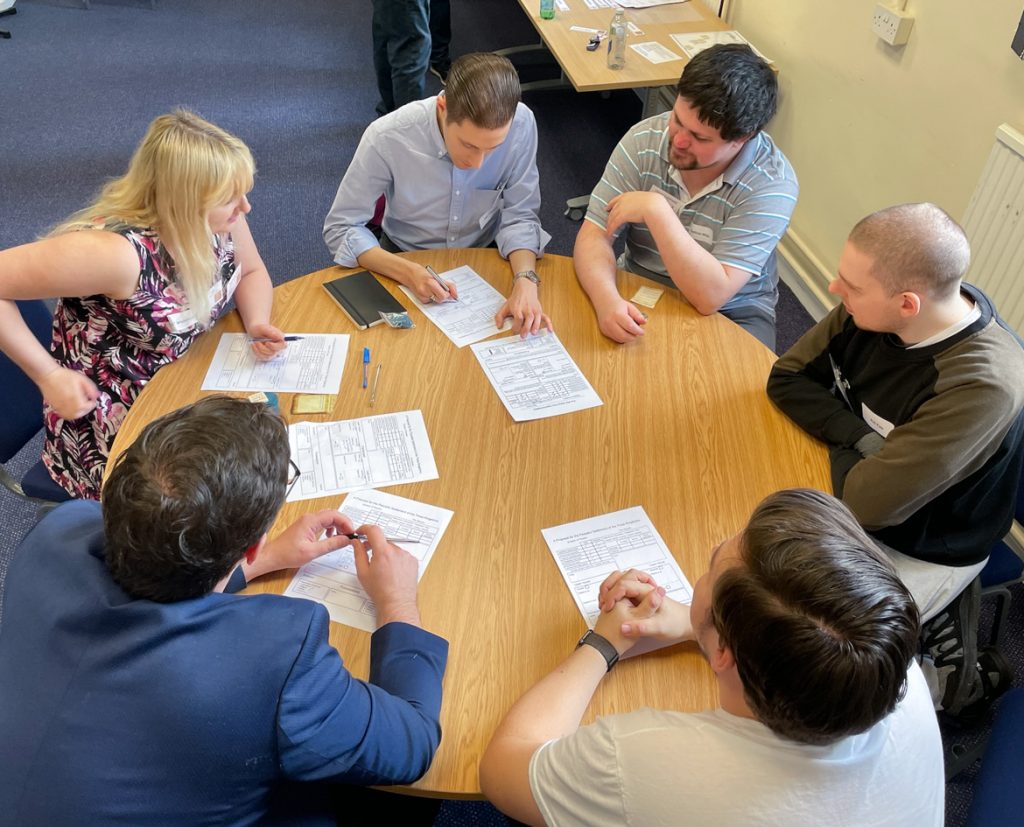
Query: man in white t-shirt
[809, 633]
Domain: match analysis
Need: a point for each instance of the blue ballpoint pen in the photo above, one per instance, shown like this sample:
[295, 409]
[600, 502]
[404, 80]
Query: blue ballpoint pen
[366, 364]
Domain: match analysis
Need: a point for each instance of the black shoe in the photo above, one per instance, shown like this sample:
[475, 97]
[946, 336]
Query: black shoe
[440, 72]
[951, 638]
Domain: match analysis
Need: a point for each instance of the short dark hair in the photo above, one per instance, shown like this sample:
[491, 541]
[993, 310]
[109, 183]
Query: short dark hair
[915, 247]
[732, 89]
[190, 495]
[821, 628]
[484, 88]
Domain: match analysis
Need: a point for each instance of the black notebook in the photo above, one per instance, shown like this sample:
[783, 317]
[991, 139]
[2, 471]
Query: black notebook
[362, 298]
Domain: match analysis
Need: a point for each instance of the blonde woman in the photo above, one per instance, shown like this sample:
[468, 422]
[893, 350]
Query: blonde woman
[138, 275]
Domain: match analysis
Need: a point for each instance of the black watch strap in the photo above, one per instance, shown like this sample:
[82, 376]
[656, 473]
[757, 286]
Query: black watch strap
[602, 644]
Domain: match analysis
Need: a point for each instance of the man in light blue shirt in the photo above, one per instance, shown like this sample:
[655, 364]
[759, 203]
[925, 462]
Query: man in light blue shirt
[457, 170]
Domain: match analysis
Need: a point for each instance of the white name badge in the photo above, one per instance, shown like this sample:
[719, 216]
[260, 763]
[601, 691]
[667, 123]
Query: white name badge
[702, 235]
[181, 322]
[880, 426]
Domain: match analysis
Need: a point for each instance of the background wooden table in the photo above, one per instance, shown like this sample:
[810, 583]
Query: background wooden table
[685, 431]
[589, 72]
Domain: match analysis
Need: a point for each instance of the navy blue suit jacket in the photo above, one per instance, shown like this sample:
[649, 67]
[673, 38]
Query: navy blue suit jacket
[202, 711]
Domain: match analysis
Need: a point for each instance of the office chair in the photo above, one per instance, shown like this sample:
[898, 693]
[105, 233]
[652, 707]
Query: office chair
[1004, 569]
[6, 8]
[997, 787]
[23, 418]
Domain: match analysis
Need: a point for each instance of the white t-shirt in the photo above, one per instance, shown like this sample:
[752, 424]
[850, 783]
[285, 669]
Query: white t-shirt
[655, 767]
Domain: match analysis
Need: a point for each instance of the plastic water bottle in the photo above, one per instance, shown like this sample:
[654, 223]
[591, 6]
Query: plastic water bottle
[617, 41]
[547, 9]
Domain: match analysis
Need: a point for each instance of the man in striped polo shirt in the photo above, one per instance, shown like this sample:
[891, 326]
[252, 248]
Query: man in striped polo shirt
[704, 196]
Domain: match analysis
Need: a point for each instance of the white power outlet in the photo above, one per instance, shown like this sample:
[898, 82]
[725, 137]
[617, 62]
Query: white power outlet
[892, 26]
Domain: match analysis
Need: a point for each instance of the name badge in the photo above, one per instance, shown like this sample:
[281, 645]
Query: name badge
[236, 277]
[880, 426]
[181, 322]
[700, 234]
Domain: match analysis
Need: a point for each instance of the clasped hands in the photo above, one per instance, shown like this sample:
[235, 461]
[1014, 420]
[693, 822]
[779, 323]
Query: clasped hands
[634, 606]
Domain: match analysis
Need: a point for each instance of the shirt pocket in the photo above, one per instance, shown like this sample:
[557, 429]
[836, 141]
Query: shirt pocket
[486, 204]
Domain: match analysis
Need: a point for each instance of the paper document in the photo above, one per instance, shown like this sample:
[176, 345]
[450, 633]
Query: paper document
[331, 580]
[370, 452]
[600, 4]
[561, 5]
[312, 364]
[471, 318]
[535, 377]
[654, 52]
[694, 44]
[587, 551]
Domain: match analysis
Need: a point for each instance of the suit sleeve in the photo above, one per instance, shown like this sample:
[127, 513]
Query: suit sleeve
[519, 225]
[802, 381]
[385, 731]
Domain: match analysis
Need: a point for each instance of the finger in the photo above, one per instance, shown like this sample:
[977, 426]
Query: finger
[335, 520]
[501, 315]
[636, 314]
[453, 289]
[648, 607]
[609, 582]
[546, 321]
[640, 576]
[362, 560]
[333, 543]
[374, 536]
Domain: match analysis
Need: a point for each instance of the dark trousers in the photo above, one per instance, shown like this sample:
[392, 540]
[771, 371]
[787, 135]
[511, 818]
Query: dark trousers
[440, 33]
[401, 50]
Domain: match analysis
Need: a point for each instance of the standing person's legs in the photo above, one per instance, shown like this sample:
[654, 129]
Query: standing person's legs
[401, 51]
[440, 37]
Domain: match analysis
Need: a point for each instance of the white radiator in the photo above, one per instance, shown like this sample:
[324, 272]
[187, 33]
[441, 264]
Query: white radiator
[995, 226]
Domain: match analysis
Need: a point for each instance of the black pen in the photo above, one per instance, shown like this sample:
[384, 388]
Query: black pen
[389, 539]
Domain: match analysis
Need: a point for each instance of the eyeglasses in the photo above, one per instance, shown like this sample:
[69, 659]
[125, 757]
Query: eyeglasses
[293, 477]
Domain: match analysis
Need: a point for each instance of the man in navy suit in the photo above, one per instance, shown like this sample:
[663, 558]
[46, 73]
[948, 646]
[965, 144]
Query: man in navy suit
[134, 687]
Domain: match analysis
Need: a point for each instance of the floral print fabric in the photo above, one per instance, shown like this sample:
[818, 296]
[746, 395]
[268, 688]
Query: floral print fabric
[120, 344]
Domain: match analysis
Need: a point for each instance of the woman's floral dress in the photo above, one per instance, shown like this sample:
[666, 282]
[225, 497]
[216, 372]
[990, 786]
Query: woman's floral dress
[119, 344]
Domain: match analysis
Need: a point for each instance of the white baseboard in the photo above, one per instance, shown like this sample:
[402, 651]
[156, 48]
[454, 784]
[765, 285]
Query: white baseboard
[805, 275]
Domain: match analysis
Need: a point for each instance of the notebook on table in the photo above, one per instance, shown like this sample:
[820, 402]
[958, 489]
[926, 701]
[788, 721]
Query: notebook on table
[363, 298]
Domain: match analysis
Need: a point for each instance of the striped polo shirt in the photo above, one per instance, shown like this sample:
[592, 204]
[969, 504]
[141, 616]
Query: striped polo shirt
[739, 217]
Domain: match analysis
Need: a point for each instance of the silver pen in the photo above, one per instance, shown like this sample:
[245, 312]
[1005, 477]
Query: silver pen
[376, 379]
[441, 281]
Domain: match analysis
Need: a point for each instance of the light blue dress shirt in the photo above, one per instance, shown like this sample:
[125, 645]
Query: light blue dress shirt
[430, 202]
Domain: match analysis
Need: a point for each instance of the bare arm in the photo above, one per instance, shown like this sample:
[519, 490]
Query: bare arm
[412, 275]
[705, 282]
[85, 263]
[254, 295]
[594, 260]
[523, 304]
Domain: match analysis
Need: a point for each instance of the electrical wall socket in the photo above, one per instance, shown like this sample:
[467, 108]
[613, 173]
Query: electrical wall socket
[891, 26]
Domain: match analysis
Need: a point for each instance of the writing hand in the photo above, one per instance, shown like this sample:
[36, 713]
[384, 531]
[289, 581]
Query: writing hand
[70, 393]
[427, 289]
[266, 350]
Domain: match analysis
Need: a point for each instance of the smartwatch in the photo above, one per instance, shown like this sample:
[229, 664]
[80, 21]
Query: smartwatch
[527, 274]
[602, 644]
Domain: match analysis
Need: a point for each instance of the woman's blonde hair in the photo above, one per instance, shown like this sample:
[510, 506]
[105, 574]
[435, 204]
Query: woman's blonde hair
[184, 166]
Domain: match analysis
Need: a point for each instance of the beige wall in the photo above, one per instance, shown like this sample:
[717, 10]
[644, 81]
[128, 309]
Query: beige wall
[867, 125]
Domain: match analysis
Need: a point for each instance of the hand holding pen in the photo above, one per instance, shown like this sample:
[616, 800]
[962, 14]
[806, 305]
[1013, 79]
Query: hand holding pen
[449, 291]
[267, 341]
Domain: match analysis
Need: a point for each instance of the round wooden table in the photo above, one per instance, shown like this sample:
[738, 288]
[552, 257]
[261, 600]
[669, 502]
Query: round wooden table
[685, 431]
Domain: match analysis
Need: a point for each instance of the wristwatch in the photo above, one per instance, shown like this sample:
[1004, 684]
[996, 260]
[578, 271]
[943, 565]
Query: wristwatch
[527, 274]
[602, 644]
